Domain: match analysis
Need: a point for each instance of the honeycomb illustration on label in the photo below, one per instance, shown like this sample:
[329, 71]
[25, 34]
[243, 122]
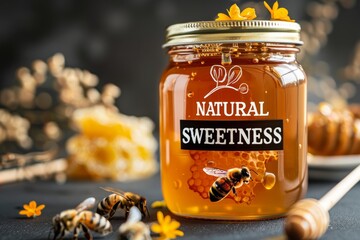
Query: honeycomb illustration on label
[217, 175]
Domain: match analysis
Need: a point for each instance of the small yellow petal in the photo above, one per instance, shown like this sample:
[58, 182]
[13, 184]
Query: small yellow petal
[268, 7]
[275, 6]
[158, 204]
[238, 18]
[40, 207]
[167, 220]
[174, 225]
[174, 234]
[248, 13]
[27, 207]
[170, 235]
[23, 212]
[179, 233]
[37, 212]
[234, 11]
[29, 214]
[160, 217]
[222, 17]
[156, 228]
[32, 204]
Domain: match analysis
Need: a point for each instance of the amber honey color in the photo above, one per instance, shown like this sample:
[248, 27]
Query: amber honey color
[236, 82]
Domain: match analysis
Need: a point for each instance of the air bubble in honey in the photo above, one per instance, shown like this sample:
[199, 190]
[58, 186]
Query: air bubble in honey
[177, 184]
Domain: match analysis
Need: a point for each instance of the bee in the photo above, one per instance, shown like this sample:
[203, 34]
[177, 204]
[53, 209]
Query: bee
[133, 228]
[120, 199]
[227, 181]
[75, 220]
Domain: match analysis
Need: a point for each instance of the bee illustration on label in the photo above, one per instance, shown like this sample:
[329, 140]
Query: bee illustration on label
[75, 220]
[120, 199]
[228, 180]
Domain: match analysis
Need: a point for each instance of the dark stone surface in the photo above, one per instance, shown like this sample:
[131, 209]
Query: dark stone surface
[345, 220]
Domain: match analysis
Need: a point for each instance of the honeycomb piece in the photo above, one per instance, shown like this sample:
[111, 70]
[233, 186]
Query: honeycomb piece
[256, 161]
[111, 145]
[334, 131]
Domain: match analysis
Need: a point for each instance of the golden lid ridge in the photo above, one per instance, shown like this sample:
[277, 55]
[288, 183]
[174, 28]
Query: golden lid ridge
[233, 32]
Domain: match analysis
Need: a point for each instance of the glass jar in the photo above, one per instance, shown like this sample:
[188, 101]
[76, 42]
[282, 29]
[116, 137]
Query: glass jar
[233, 120]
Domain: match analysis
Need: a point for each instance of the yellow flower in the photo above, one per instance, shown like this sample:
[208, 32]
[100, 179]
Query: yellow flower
[158, 204]
[235, 14]
[278, 13]
[32, 210]
[167, 228]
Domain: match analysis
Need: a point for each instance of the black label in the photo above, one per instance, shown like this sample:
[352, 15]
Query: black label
[231, 135]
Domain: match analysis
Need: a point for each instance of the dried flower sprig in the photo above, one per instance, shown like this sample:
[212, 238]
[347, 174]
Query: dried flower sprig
[14, 128]
[277, 13]
[32, 210]
[236, 14]
[166, 227]
[39, 107]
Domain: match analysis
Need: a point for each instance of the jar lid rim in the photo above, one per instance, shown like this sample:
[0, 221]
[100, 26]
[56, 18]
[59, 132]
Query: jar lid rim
[202, 32]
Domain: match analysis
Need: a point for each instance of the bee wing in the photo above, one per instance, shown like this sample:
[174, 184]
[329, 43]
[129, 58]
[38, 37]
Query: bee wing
[116, 191]
[216, 172]
[134, 215]
[113, 190]
[86, 204]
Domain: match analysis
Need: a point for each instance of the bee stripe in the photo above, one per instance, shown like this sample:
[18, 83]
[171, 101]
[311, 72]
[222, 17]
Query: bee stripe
[105, 226]
[100, 209]
[223, 186]
[107, 203]
[98, 222]
[95, 222]
[220, 189]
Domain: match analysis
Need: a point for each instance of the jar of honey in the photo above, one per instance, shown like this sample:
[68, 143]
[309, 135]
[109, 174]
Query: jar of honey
[233, 120]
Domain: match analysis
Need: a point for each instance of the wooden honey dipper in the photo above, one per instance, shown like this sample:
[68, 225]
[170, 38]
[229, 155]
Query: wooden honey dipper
[309, 218]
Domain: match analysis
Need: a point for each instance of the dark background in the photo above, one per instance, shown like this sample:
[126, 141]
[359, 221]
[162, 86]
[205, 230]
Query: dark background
[120, 41]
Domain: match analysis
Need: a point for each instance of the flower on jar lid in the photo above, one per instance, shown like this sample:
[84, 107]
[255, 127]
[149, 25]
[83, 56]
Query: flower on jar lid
[277, 13]
[235, 14]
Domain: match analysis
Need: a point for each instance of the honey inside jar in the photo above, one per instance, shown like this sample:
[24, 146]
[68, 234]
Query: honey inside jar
[233, 130]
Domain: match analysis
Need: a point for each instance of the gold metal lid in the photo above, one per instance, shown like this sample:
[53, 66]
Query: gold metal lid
[233, 32]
